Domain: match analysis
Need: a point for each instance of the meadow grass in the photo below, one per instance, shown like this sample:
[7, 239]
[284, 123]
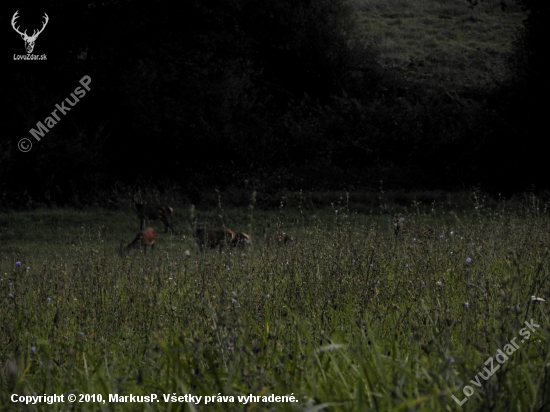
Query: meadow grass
[349, 317]
[441, 42]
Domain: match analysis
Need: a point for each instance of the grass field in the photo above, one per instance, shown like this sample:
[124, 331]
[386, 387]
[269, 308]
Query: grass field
[349, 317]
[445, 42]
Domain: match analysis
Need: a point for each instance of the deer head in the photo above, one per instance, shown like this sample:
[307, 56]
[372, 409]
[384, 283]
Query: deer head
[29, 40]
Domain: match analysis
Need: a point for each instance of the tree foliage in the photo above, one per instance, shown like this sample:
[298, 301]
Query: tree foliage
[279, 94]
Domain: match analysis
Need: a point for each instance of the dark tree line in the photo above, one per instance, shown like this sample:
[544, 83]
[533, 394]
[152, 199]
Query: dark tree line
[265, 95]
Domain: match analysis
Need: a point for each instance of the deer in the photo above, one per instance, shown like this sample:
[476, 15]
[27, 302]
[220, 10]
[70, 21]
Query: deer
[283, 238]
[153, 212]
[241, 240]
[212, 237]
[29, 40]
[143, 239]
[400, 224]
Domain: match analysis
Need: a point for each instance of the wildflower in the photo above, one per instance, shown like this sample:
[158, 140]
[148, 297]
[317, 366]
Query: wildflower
[439, 283]
[10, 284]
[81, 334]
[169, 278]
[33, 349]
[10, 296]
[481, 247]
[49, 299]
[267, 296]
[450, 359]
[18, 264]
[476, 208]
[228, 268]
[466, 305]
[441, 236]
[187, 253]
[406, 266]
[423, 283]
[336, 212]
[535, 299]
[468, 260]
[352, 260]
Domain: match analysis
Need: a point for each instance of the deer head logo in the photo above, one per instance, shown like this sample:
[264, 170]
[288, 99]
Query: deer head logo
[29, 40]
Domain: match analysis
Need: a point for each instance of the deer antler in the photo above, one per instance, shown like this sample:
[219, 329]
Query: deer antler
[29, 40]
[35, 35]
[15, 16]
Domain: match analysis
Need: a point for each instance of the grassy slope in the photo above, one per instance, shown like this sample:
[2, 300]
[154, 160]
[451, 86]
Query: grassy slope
[444, 42]
[349, 316]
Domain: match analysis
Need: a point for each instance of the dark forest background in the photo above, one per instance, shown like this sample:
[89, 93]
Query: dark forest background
[246, 94]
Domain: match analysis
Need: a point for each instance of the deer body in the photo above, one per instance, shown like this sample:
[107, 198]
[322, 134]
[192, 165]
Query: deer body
[143, 239]
[212, 237]
[400, 227]
[153, 212]
[241, 240]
